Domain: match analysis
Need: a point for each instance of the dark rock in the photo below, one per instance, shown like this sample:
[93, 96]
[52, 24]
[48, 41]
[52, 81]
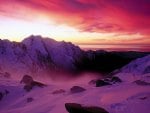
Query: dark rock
[7, 75]
[141, 83]
[77, 108]
[77, 89]
[1, 95]
[58, 91]
[26, 79]
[73, 107]
[100, 83]
[143, 98]
[115, 79]
[92, 82]
[107, 79]
[30, 83]
[28, 87]
[95, 110]
[35, 83]
[6, 92]
[30, 99]
[147, 70]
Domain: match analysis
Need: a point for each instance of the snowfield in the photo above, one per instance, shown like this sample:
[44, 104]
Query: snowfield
[129, 96]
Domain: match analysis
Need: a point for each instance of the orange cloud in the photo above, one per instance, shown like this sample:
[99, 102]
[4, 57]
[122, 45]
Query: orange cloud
[91, 16]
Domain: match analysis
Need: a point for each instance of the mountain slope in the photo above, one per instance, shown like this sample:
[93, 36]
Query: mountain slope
[124, 97]
[44, 56]
[135, 70]
[37, 55]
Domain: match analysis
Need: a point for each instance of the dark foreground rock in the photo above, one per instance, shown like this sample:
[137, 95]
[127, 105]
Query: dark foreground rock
[142, 83]
[30, 99]
[58, 91]
[30, 83]
[106, 81]
[26, 79]
[3, 93]
[115, 79]
[77, 108]
[100, 83]
[77, 89]
[1, 96]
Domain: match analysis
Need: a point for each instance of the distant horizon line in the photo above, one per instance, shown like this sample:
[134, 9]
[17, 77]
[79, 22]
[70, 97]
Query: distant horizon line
[77, 43]
[101, 46]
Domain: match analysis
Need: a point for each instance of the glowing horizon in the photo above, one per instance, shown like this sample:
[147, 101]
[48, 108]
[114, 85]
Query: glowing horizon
[83, 22]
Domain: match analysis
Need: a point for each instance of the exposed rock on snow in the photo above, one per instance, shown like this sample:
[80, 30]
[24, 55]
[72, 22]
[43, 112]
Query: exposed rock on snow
[30, 83]
[58, 91]
[100, 83]
[115, 79]
[1, 95]
[78, 108]
[106, 81]
[26, 80]
[30, 99]
[77, 89]
[142, 83]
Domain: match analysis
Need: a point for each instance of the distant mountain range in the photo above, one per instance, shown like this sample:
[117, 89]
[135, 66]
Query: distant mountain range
[41, 56]
[126, 91]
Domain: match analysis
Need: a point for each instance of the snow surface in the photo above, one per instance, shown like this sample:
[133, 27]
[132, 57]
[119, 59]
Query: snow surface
[135, 70]
[125, 97]
[37, 56]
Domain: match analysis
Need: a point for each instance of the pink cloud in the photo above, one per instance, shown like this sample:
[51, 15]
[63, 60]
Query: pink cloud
[120, 16]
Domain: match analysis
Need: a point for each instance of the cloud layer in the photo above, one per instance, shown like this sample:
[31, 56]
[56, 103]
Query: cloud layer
[112, 16]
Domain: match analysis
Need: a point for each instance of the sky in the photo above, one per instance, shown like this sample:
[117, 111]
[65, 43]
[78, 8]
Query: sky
[88, 23]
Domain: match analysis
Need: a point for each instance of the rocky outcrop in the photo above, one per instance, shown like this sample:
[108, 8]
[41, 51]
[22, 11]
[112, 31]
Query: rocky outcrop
[30, 99]
[30, 83]
[3, 94]
[100, 83]
[142, 83]
[106, 81]
[78, 108]
[60, 91]
[77, 89]
[26, 79]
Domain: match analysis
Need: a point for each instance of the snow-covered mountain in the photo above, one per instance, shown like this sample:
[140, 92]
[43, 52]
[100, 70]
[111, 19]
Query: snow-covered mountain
[44, 56]
[37, 55]
[124, 97]
[135, 70]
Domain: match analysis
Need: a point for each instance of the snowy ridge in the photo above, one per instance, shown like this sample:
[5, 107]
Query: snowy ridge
[125, 97]
[135, 70]
[37, 55]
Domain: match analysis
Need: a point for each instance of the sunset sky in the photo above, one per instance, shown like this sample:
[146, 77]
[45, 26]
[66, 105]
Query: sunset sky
[85, 22]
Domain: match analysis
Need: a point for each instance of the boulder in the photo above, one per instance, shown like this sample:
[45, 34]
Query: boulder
[30, 99]
[100, 83]
[142, 83]
[92, 82]
[115, 79]
[77, 89]
[1, 95]
[58, 91]
[7, 75]
[26, 79]
[78, 108]
[30, 83]
[6, 92]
